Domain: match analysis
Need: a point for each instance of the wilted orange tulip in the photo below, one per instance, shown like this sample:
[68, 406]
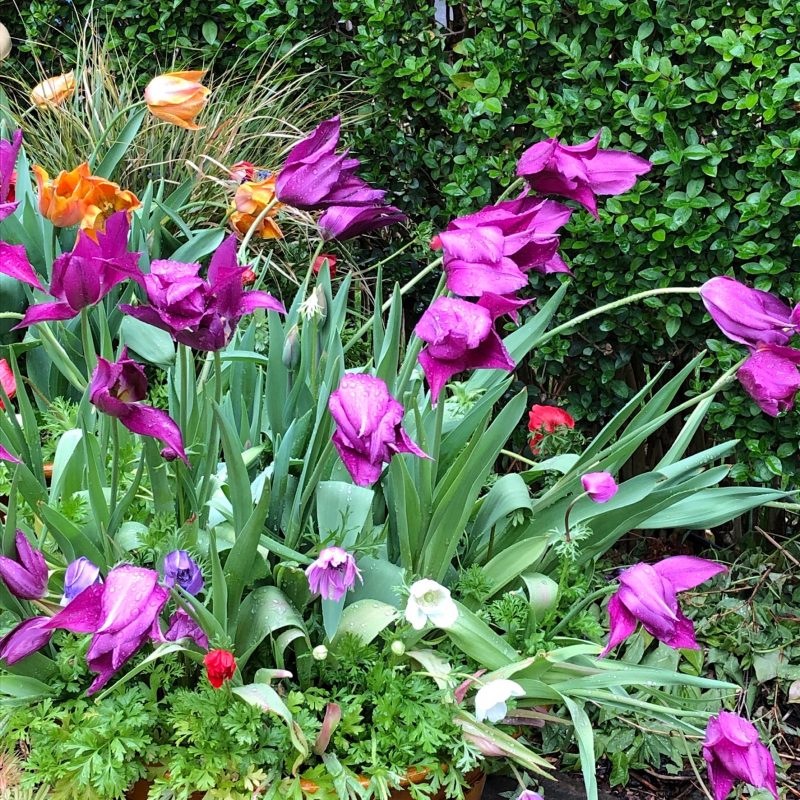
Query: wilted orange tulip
[177, 97]
[80, 197]
[53, 91]
[251, 198]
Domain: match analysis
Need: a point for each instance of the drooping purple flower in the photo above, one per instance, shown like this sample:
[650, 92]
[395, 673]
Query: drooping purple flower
[580, 172]
[8, 160]
[26, 576]
[333, 573]
[182, 626]
[648, 594]
[6, 456]
[80, 574]
[771, 377]
[181, 568]
[117, 389]
[345, 222]
[369, 427]
[460, 336]
[199, 313]
[314, 176]
[122, 614]
[491, 250]
[747, 315]
[600, 486]
[81, 277]
[733, 752]
[29, 636]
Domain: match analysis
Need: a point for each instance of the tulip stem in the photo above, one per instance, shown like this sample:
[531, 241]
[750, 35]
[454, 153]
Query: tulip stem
[254, 227]
[700, 781]
[63, 362]
[10, 315]
[579, 606]
[518, 457]
[112, 504]
[566, 326]
[567, 537]
[403, 290]
[510, 188]
[104, 135]
[212, 454]
[88, 343]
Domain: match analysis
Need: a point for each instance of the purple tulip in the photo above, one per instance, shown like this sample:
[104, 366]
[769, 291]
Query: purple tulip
[529, 794]
[122, 614]
[580, 172]
[181, 568]
[8, 160]
[314, 176]
[369, 430]
[202, 314]
[117, 389]
[182, 626]
[333, 573]
[600, 486]
[345, 222]
[771, 378]
[749, 316]
[29, 636]
[491, 250]
[734, 753]
[648, 594]
[25, 577]
[460, 336]
[80, 574]
[80, 278]
[6, 456]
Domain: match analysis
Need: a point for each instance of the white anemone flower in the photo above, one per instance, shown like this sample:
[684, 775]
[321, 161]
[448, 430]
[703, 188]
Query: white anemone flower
[490, 700]
[429, 601]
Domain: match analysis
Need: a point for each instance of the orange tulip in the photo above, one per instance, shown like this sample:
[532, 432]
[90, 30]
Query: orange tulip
[177, 97]
[80, 197]
[251, 198]
[53, 92]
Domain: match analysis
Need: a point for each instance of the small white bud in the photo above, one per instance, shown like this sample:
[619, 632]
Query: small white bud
[320, 652]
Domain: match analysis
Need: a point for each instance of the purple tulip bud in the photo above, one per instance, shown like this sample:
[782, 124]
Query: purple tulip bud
[333, 573]
[600, 486]
[199, 313]
[117, 389]
[771, 378]
[180, 568]
[749, 316]
[460, 336]
[580, 172]
[80, 574]
[26, 638]
[369, 427]
[648, 594]
[346, 222]
[8, 160]
[6, 456]
[734, 753]
[182, 626]
[25, 577]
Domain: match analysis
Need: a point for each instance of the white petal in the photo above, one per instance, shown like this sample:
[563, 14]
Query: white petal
[445, 614]
[415, 615]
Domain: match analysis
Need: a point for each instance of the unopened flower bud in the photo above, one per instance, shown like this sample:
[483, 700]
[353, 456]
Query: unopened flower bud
[398, 648]
[543, 592]
[320, 652]
[291, 348]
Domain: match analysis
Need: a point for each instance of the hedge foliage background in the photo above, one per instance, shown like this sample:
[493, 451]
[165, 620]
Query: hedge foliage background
[708, 90]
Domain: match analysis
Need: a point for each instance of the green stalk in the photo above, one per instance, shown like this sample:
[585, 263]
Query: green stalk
[254, 227]
[213, 448]
[101, 141]
[510, 188]
[89, 354]
[112, 505]
[578, 607]
[67, 368]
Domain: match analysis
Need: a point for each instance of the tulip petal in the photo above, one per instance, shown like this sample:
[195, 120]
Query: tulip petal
[686, 572]
[26, 638]
[613, 172]
[14, 263]
[149, 421]
[83, 614]
[622, 624]
[46, 312]
[256, 299]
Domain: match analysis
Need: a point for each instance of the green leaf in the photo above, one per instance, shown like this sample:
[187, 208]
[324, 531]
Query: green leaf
[209, 31]
[115, 154]
[150, 343]
[365, 619]
[264, 611]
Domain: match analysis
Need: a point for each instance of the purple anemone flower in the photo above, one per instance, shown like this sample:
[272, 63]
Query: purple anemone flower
[80, 574]
[600, 486]
[315, 176]
[734, 753]
[26, 576]
[199, 313]
[369, 427]
[460, 336]
[345, 222]
[80, 278]
[181, 568]
[648, 594]
[182, 626]
[491, 250]
[8, 159]
[117, 389]
[333, 573]
[580, 172]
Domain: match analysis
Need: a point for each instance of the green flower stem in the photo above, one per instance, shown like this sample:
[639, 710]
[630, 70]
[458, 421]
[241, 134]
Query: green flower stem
[700, 782]
[112, 505]
[10, 315]
[518, 457]
[392, 256]
[64, 364]
[254, 227]
[634, 298]
[567, 537]
[314, 256]
[88, 343]
[403, 290]
[510, 188]
[212, 453]
[576, 609]
[101, 141]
